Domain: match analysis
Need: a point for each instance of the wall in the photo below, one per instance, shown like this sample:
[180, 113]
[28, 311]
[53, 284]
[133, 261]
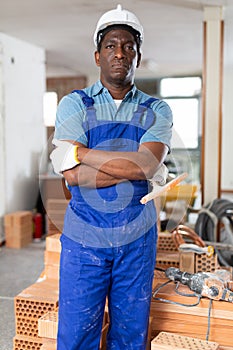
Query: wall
[23, 135]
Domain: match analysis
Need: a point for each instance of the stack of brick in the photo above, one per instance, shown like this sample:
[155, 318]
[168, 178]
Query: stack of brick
[48, 325]
[49, 344]
[47, 329]
[167, 253]
[172, 341]
[192, 262]
[18, 228]
[36, 301]
[32, 303]
[36, 307]
[52, 256]
[104, 330]
[55, 209]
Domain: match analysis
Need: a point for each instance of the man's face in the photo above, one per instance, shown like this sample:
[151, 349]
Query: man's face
[118, 57]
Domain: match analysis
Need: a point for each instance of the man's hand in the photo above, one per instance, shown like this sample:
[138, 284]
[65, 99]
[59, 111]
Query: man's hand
[64, 156]
[160, 177]
[159, 190]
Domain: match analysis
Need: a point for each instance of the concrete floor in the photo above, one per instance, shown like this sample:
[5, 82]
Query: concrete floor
[19, 268]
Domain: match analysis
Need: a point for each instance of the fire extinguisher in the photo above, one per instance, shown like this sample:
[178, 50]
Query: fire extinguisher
[38, 226]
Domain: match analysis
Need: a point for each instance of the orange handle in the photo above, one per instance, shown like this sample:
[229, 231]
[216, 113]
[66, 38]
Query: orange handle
[161, 189]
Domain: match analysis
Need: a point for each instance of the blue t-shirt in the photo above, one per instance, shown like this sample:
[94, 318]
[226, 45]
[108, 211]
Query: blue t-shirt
[112, 216]
[71, 114]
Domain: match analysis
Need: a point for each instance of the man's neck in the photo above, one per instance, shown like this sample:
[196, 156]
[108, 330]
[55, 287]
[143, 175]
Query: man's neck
[117, 91]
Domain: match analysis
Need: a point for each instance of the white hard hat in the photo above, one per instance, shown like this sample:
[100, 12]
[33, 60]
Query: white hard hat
[121, 17]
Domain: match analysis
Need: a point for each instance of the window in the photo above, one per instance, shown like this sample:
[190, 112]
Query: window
[183, 96]
[188, 86]
[50, 108]
[185, 120]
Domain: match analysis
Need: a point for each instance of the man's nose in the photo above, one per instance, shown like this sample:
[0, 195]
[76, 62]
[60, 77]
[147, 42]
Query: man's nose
[119, 52]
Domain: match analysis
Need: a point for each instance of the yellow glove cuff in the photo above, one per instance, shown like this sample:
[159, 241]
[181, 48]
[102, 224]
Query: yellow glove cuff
[76, 154]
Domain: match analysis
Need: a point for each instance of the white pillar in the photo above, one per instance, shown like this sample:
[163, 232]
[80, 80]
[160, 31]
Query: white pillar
[2, 150]
[212, 104]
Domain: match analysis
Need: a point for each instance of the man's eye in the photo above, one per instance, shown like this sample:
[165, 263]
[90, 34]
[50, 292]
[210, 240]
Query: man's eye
[129, 47]
[109, 46]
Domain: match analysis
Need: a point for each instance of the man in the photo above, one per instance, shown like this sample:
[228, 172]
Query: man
[110, 139]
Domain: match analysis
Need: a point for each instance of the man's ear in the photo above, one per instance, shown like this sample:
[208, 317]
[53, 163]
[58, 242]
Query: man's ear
[139, 59]
[97, 58]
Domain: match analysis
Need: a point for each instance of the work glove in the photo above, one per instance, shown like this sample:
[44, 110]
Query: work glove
[160, 185]
[160, 177]
[64, 156]
[158, 181]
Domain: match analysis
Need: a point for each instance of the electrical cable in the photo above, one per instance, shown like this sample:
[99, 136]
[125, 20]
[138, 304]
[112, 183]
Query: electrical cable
[207, 223]
[209, 315]
[160, 269]
[182, 304]
[175, 302]
[184, 294]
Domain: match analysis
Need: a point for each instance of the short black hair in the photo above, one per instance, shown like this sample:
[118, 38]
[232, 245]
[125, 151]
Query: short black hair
[130, 29]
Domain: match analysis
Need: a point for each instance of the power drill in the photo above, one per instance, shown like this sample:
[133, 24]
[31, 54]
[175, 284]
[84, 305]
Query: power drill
[203, 283]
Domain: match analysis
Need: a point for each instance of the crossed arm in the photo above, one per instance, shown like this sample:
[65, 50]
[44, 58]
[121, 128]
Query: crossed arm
[105, 168]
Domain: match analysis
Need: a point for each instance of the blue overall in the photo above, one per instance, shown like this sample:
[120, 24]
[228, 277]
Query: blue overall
[113, 253]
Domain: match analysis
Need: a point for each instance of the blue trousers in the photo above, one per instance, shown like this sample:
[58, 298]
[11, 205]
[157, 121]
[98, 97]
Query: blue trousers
[87, 275]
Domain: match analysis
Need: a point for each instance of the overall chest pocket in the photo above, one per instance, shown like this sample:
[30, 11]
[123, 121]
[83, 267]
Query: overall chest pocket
[120, 145]
[114, 137]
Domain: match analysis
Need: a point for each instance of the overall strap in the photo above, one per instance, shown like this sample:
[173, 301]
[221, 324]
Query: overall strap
[148, 102]
[143, 107]
[89, 104]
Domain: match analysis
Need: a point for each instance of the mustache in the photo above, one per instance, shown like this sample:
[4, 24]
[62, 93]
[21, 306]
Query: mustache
[120, 63]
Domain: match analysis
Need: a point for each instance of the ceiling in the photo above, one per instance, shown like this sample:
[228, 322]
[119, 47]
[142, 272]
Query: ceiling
[64, 28]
